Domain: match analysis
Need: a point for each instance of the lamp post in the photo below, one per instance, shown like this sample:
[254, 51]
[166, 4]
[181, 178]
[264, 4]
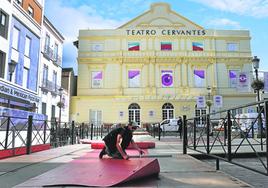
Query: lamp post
[60, 104]
[256, 64]
[11, 68]
[209, 99]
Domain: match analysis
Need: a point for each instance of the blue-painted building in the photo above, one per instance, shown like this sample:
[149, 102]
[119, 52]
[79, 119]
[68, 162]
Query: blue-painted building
[27, 65]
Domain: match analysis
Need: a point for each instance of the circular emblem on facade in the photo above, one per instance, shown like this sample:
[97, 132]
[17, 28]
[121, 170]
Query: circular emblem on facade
[243, 78]
[167, 80]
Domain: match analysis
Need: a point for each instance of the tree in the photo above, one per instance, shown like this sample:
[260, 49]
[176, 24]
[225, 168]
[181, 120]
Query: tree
[257, 84]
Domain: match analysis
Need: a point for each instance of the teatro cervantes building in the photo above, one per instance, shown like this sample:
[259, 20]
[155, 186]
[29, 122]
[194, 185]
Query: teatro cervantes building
[155, 66]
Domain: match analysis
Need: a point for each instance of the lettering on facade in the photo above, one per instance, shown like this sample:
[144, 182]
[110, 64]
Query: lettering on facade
[18, 93]
[169, 32]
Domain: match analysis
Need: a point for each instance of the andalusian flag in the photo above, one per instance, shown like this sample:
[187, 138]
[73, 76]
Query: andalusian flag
[166, 46]
[133, 46]
[198, 46]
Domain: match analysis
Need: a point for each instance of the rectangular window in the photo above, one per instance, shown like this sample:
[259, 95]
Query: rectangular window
[19, 2]
[97, 47]
[198, 46]
[56, 49]
[133, 46]
[45, 75]
[54, 80]
[233, 78]
[31, 11]
[47, 43]
[2, 64]
[199, 78]
[53, 111]
[96, 79]
[134, 78]
[27, 47]
[166, 46]
[44, 108]
[3, 24]
[15, 38]
[232, 47]
[25, 77]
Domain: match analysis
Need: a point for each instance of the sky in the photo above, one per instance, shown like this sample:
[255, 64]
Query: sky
[69, 16]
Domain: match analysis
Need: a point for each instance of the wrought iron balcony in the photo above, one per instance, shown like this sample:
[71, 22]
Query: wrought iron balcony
[49, 86]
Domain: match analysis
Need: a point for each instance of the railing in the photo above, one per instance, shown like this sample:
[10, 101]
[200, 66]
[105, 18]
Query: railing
[50, 55]
[24, 135]
[50, 86]
[226, 136]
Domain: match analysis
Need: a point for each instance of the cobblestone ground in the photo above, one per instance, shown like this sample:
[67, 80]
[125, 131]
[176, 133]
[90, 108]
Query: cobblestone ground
[255, 179]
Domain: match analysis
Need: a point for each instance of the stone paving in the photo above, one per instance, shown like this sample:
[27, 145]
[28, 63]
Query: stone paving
[176, 171]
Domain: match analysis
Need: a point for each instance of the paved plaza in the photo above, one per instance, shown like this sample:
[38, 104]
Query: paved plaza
[176, 171]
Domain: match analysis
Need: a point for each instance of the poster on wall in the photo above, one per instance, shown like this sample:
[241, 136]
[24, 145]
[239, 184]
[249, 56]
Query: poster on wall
[243, 82]
[134, 78]
[96, 79]
[217, 101]
[233, 78]
[265, 77]
[199, 78]
[200, 102]
[167, 78]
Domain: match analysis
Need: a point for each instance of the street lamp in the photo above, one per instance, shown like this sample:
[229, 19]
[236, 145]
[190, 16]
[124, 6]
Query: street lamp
[258, 86]
[11, 68]
[60, 105]
[256, 64]
[209, 103]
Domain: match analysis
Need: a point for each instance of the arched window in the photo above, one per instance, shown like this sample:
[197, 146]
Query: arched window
[134, 113]
[167, 111]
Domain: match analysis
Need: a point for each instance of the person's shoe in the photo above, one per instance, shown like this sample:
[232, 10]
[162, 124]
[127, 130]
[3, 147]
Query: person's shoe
[102, 153]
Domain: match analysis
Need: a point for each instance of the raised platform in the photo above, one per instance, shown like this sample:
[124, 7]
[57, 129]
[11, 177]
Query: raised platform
[142, 145]
[89, 170]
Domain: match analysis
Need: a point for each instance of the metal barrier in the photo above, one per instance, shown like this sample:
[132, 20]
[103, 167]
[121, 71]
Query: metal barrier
[226, 136]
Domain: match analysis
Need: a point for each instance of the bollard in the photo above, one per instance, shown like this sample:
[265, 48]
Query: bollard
[229, 141]
[217, 164]
[208, 133]
[91, 131]
[45, 131]
[72, 133]
[159, 131]
[184, 135]
[29, 135]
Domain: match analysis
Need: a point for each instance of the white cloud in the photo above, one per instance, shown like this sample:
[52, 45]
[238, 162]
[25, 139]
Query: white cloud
[255, 8]
[69, 20]
[224, 23]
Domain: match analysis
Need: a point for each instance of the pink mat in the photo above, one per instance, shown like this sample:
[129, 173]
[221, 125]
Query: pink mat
[89, 170]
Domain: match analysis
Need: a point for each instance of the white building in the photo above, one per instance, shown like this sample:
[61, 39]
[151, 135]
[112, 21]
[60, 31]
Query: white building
[50, 72]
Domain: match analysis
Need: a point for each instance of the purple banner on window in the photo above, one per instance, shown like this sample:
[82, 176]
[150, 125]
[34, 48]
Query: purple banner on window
[232, 74]
[98, 75]
[133, 73]
[200, 73]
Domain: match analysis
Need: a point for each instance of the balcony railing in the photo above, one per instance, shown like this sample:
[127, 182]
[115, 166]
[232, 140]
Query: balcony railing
[50, 86]
[50, 55]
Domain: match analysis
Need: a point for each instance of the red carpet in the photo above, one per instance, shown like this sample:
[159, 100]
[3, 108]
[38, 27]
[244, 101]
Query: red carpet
[89, 170]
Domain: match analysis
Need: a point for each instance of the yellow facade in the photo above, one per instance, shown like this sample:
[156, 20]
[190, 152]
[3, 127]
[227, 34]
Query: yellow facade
[166, 43]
